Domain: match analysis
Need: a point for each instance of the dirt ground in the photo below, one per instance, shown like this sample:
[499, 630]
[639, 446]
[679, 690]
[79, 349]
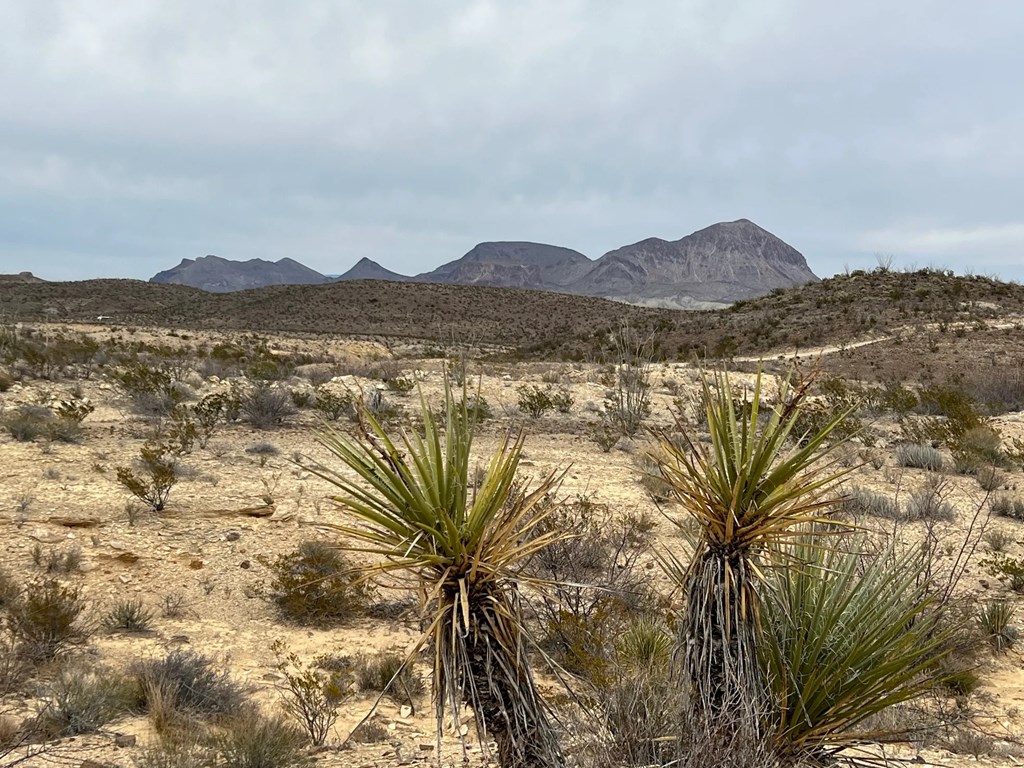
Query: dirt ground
[234, 510]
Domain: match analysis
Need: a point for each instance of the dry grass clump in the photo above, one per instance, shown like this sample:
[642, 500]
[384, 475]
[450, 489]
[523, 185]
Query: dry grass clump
[920, 456]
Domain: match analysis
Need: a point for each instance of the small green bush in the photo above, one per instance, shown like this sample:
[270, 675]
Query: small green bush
[332, 405]
[534, 401]
[129, 615]
[919, 456]
[315, 584]
[157, 474]
[312, 698]
[994, 617]
[1009, 569]
[990, 478]
[28, 423]
[44, 619]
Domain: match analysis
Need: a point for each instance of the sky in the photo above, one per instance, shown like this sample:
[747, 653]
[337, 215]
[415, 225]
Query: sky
[135, 134]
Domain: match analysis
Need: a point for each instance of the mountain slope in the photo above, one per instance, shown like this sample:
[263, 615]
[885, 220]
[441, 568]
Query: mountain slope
[217, 275]
[367, 269]
[715, 266]
[514, 264]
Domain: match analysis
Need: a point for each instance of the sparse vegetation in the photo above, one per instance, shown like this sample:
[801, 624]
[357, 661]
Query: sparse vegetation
[130, 615]
[919, 456]
[44, 619]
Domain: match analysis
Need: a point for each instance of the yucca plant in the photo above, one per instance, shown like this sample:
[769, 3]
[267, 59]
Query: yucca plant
[416, 507]
[846, 634]
[746, 490]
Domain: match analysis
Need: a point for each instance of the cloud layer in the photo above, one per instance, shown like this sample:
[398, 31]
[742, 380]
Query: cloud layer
[136, 134]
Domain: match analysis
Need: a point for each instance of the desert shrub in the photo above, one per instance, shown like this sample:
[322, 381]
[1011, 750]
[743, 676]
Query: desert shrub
[181, 431]
[153, 391]
[929, 503]
[562, 399]
[311, 697]
[315, 583]
[9, 589]
[990, 479]
[303, 398]
[208, 414]
[44, 619]
[333, 405]
[847, 634]
[834, 396]
[175, 751]
[6, 382]
[371, 731]
[605, 434]
[400, 385]
[80, 699]
[193, 683]
[388, 672]
[266, 406]
[129, 615]
[862, 501]
[997, 540]
[641, 702]
[628, 400]
[534, 401]
[1006, 568]
[156, 475]
[74, 409]
[994, 617]
[919, 456]
[57, 561]
[263, 448]
[28, 422]
[254, 741]
[1004, 506]
[13, 667]
[598, 584]
[651, 476]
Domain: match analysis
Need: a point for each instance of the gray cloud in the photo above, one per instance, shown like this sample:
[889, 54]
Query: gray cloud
[135, 134]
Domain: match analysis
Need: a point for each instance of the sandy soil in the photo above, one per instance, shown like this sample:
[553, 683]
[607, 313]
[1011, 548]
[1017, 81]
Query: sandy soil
[207, 548]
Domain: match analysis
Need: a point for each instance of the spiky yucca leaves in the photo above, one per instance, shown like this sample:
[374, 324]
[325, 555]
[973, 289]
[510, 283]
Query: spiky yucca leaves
[465, 548]
[847, 633]
[746, 491]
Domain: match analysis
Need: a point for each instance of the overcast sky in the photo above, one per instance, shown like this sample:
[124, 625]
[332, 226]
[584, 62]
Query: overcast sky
[135, 134]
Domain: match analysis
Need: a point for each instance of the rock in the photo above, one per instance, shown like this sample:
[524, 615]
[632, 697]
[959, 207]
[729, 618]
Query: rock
[124, 740]
[232, 536]
[405, 711]
[245, 565]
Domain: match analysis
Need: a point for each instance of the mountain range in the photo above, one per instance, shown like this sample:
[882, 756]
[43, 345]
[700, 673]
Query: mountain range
[710, 268]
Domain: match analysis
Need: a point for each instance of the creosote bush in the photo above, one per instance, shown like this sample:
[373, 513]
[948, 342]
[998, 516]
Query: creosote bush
[315, 583]
[156, 474]
[80, 699]
[266, 406]
[311, 697]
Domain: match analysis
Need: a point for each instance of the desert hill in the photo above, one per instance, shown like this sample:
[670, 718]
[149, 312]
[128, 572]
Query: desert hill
[212, 273]
[715, 266]
[708, 269]
[21, 277]
[514, 265]
[368, 269]
[888, 324]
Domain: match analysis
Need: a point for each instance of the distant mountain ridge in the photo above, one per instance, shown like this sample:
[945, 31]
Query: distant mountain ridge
[710, 268]
[217, 275]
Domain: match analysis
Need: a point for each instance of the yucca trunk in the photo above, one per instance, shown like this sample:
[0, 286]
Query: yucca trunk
[495, 679]
[725, 688]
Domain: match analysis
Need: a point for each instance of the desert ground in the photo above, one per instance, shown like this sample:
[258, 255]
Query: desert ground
[202, 567]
